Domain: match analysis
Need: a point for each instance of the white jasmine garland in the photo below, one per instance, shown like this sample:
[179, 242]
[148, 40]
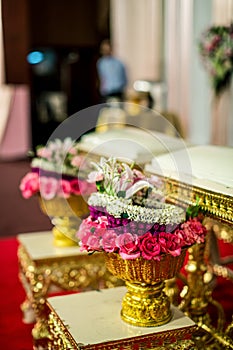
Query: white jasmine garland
[161, 213]
[49, 166]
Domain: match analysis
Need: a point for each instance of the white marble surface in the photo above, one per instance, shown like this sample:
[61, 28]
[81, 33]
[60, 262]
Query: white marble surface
[40, 245]
[135, 144]
[209, 167]
[94, 317]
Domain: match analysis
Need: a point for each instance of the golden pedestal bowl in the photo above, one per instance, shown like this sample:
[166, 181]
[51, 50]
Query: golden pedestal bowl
[65, 214]
[145, 304]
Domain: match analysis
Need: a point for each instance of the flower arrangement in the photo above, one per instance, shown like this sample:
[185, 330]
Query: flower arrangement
[216, 51]
[129, 216]
[57, 170]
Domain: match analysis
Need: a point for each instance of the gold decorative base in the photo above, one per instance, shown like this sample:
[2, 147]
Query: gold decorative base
[66, 215]
[146, 305]
[62, 240]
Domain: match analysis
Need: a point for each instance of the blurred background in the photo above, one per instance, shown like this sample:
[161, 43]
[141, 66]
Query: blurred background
[48, 55]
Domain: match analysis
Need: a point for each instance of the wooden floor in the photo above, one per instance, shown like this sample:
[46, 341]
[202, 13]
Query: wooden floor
[18, 215]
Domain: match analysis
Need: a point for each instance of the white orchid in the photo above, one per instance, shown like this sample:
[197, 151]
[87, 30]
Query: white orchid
[117, 178]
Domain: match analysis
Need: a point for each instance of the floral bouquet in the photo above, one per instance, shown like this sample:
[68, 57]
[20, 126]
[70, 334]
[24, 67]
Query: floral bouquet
[144, 238]
[58, 176]
[216, 50]
[57, 170]
[128, 216]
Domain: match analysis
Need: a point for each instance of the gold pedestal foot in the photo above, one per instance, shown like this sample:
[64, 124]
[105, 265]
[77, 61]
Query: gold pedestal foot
[61, 240]
[146, 305]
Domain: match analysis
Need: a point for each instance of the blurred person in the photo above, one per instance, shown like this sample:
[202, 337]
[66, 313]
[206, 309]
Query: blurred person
[111, 73]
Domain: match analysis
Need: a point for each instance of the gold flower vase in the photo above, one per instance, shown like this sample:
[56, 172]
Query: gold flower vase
[65, 214]
[145, 303]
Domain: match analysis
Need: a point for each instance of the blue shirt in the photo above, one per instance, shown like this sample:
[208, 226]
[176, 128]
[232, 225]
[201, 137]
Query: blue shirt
[112, 75]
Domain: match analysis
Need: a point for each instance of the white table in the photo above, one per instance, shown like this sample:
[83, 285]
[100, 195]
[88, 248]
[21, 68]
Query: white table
[92, 321]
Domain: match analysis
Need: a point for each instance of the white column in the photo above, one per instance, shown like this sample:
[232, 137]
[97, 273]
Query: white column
[137, 37]
[178, 38]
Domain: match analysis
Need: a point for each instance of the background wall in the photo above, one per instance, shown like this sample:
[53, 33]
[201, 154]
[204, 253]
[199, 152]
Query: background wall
[156, 39]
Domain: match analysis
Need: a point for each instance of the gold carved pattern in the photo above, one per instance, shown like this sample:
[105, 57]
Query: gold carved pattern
[74, 273]
[217, 205]
[197, 292]
[61, 338]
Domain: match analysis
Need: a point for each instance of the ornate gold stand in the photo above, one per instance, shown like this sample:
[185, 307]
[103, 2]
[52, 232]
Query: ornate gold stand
[63, 272]
[145, 304]
[205, 263]
[66, 215]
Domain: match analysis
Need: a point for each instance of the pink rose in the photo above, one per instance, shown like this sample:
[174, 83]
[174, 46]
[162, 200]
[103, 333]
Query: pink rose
[29, 185]
[128, 246]
[74, 186]
[169, 244]
[91, 232]
[93, 243]
[149, 247]
[48, 187]
[109, 241]
[185, 237]
[64, 189]
[193, 231]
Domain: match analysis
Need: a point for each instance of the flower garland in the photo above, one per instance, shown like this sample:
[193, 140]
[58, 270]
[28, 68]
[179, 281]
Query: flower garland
[216, 51]
[97, 235]
[57, 170]
[120, 222]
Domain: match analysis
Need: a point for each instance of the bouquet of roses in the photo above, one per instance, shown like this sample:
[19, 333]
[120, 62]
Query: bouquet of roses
[129, 216]
[216, 51]
[57, 170]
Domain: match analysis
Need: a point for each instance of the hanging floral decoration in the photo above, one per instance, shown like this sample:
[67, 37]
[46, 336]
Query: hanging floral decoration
[216, 51]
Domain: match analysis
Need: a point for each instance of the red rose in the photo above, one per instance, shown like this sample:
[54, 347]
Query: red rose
[169, 243]
[149, 247]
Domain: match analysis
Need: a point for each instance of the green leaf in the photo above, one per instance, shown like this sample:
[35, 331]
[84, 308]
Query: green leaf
[121, 194]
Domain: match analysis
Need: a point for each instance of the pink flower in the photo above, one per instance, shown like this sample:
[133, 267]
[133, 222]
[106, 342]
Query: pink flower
[138, 175]
[48, 187]
[77, 161]
[185, 237]
[74, 187]
[29, 185]
[64, 189]
[128, 246]
[95, 176]
[109, 241]
[73, 151]
[93, 242]
[194, 230]
[43, 152]
[149, 247]
[91, 232]
[196, 226]
[169, 244]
